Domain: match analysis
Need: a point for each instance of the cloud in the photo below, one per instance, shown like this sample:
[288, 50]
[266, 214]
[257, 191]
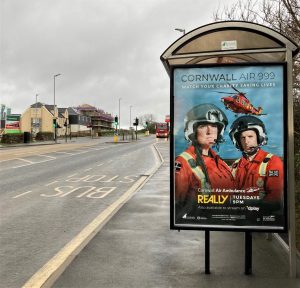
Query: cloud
[104, 50]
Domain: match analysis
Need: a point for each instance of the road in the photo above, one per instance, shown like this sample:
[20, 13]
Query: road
[49, 194]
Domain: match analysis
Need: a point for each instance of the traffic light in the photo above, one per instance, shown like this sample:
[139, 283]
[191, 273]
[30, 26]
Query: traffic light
[136, 123]
[54, 123]
[116, 119]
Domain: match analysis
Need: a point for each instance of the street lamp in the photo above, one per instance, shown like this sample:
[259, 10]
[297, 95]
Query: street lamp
[130, 116]
[35, 122]
[119, 114]
[55, 138]
[180, 30]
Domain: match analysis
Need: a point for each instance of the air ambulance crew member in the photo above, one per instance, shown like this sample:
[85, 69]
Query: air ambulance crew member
[258, 172]
[199, 170]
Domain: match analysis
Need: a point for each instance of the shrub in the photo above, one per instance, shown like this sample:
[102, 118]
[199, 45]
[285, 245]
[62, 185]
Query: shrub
[12, 138]
[44, 136]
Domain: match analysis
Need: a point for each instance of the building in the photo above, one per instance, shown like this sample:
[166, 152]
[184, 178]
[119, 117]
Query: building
[80, 125]
[39, 118]
[84, 120]
[100, 121]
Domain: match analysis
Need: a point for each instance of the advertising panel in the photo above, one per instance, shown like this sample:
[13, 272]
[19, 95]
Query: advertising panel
[12, 124]
[229, 147]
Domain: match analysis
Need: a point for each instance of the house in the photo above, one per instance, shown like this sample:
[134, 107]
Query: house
[80, 125]
[40, 117]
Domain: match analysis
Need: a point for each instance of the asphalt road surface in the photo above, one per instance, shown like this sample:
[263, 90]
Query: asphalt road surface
[49, 194]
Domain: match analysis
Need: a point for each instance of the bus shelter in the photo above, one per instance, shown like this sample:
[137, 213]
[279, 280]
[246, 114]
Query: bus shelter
[237, 56]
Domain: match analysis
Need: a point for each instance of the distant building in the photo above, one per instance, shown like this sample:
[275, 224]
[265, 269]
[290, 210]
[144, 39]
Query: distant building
[100, 121]
[39, 118]
[78, 121]
[80, 125]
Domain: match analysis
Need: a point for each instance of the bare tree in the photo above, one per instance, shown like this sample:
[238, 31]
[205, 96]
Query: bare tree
[146, 118]
[280, 15]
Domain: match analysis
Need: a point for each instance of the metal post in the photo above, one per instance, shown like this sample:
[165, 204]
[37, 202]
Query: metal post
[248, 253]
[55, 138]
[291, 167]
[130, 117]
[136, 132]
[66, 136]
[119, 113]
[36, 95]
[207, 252]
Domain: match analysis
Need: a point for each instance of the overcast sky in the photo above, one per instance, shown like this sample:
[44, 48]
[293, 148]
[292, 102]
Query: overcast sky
[104, 50]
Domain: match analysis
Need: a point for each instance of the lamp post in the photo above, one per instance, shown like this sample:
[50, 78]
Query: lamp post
[55, 138]
[119, 114]
[130, 116]
[180, 30]
[35, 122]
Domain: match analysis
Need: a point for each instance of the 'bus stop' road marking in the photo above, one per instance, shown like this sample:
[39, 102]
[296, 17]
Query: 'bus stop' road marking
[49, 273]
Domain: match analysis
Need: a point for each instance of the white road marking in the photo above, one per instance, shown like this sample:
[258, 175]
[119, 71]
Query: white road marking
[20, 195]
[31, 163]
[49, 273]
[25, 160]
[47, 156]
[22, 153]
[72, 175]
[92, 148]
[100, 164]
[88, 169]
[51, 183]
[61, 152]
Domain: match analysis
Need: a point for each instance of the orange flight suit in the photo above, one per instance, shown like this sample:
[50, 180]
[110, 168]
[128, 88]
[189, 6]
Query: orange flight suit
[188, 183]
[263, 176]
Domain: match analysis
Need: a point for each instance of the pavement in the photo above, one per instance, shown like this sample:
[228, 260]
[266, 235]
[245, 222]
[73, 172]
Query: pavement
[136, 248]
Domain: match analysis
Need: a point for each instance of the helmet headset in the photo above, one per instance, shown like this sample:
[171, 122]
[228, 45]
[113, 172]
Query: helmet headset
[245, 123]
[204, 114]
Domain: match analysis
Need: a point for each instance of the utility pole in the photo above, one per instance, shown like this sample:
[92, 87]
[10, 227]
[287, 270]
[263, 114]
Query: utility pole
[55, 120]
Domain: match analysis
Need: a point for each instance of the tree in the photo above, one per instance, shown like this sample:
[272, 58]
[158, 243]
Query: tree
[280, 15]
[150, 118]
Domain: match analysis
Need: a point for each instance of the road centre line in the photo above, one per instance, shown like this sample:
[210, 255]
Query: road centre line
[47, 156]
[51, 183]
[92, 148]
[80, 152]
[72, 175]
[20, 195]
[63, 152]
[25, 160]
[22, 153]
[32, 163]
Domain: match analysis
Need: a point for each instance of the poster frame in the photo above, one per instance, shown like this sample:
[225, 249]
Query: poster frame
[268, 229]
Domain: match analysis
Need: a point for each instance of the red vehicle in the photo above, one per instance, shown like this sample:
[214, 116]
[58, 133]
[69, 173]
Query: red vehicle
[162, 130]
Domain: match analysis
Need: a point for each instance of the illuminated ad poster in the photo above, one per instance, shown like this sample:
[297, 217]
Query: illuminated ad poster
[228, 147]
